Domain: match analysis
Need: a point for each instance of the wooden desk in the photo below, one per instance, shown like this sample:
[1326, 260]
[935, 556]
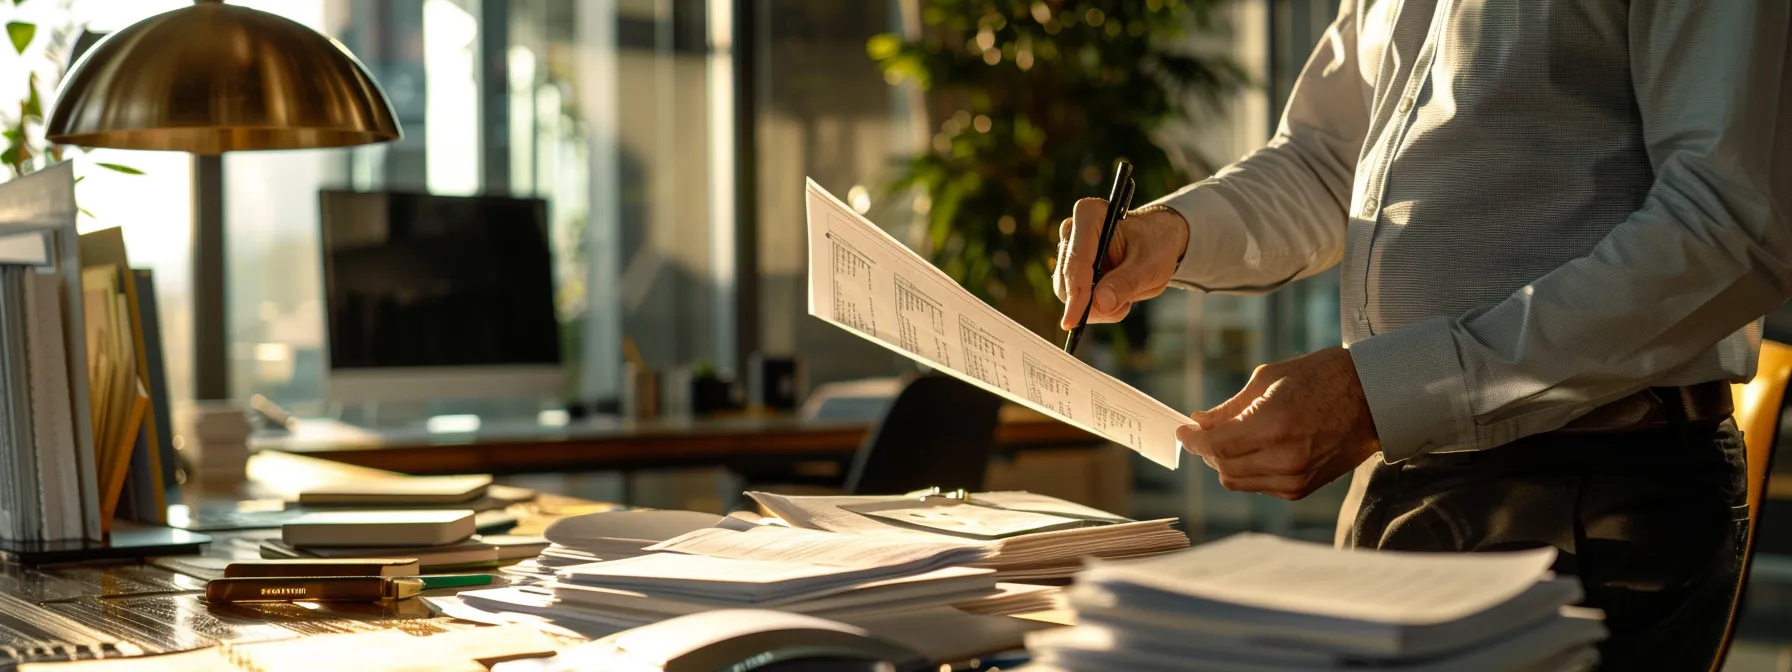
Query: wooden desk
[150, 608]
[747, 442]
[156, 608]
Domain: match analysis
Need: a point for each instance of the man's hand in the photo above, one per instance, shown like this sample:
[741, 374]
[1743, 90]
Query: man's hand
[1296, 426]
[1141, 258]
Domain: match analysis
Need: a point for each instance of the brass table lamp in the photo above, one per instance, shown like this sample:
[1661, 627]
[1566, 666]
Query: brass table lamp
[208, 79]
[215, 78]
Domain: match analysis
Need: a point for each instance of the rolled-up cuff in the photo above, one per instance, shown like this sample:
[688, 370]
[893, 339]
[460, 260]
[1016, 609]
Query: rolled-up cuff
[1416, 389]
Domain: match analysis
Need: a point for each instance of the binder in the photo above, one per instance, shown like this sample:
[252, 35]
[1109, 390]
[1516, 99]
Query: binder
[62, 470]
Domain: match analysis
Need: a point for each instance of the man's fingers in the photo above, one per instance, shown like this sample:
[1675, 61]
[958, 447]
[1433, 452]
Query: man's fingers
[1273, 459]
[1059, 284]
[1285, 487]
[1246, 459]
[1226, 441]
[1078, 266]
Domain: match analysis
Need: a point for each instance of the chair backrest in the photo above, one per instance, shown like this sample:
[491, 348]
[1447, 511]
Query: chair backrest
[939, 432]
[1758, 406]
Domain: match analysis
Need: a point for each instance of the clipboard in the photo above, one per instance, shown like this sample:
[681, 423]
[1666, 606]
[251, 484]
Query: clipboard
[959, 514]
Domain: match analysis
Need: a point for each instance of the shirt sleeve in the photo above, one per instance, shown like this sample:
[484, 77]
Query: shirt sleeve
[1708, 252]
[1279, 213]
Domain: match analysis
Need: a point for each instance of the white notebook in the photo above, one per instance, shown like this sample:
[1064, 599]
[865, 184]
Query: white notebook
[52, 415]
[379, 529]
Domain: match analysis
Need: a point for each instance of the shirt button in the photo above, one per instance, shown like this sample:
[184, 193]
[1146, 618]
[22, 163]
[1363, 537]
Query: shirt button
[1405, 105]
[1369, 205]
[1361, 316]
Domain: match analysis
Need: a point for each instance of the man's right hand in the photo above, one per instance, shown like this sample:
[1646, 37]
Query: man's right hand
[1141, 258]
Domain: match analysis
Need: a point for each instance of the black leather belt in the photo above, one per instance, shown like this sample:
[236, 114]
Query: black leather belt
[1657, 408]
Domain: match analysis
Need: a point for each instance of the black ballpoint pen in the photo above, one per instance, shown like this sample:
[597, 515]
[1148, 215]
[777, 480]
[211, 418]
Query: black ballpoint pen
[1119, 200]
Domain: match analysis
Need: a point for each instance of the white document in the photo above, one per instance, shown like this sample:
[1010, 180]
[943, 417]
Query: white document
[781, 544]
[868, 283]
[1300, 577]
[678, 568]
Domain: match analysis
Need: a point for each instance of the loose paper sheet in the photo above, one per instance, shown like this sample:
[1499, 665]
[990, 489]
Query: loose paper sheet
[780, 544]
[868, 283]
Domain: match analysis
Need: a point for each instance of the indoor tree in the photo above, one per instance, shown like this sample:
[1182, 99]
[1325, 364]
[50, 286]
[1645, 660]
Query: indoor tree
[1031, 103]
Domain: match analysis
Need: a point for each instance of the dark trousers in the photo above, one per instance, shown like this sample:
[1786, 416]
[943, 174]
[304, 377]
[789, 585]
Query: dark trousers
[1651, 521]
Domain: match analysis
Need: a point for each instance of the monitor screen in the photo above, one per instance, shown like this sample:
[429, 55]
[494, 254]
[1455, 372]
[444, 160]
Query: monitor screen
[414, 280]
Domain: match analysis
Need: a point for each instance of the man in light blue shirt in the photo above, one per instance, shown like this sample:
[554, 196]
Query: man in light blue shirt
[1558, 224]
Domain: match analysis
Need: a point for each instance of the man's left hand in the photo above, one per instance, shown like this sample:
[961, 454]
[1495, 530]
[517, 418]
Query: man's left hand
[1298, 425]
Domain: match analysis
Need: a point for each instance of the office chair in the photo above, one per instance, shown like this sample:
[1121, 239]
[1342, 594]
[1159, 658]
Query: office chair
[1758, 407]
[938, 432]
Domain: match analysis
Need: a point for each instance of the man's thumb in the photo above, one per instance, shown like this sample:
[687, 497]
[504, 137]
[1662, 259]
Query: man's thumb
[1232, 407]
[1118, 288]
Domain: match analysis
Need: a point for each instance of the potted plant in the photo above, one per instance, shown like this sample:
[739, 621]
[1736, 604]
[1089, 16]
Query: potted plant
[43, 53]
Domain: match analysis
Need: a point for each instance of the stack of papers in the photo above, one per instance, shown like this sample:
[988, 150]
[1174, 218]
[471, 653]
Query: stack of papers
[478, 552]
[1054, 554]
[219, 432]
[801, 571]
[1256, 602]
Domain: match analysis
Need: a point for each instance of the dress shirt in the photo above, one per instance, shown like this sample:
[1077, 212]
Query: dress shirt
[1540, 206]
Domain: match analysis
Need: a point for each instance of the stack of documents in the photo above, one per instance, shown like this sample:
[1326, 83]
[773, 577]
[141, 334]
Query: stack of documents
[801, 571]
[478, 552]
[219, 433]
[1028, 536]
[1255, 602]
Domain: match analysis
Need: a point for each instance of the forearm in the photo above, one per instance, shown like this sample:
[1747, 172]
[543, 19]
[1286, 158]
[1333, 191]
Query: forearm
[1270, 219]
[1278, 214]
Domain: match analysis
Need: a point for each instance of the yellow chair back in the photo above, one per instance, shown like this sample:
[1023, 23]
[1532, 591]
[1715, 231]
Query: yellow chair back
[1758, 405]
[1758, 415]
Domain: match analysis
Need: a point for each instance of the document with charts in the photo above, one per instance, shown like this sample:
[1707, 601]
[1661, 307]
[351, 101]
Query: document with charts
[870, 284]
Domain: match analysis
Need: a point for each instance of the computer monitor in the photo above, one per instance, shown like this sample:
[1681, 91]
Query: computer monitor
[438, 297]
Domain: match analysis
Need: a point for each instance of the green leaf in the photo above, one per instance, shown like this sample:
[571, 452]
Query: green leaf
[12, 135]
[883, 45]
[123, 169]
[87, 212]
[20, 33]
[34, 106]
[78, 179]
[16, 3]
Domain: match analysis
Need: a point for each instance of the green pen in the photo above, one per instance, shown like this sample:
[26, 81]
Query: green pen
[440, 581]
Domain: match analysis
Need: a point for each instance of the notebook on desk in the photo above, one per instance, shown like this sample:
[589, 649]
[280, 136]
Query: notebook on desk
[401, 491]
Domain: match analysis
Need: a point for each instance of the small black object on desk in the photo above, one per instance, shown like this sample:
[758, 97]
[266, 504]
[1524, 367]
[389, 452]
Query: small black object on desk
[128, 540]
